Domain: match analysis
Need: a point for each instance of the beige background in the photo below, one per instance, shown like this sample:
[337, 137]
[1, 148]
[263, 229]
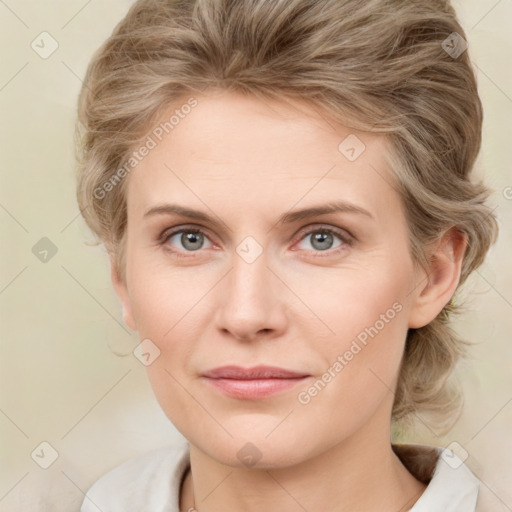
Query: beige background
[61, 380]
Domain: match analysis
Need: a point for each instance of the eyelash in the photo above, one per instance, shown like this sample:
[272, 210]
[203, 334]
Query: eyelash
[346, 238]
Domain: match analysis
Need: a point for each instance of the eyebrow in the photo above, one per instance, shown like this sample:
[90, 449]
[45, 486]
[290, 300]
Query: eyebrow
[286, 218]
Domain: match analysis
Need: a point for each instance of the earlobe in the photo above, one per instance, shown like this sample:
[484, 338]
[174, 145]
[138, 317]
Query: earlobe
[122, 292]
[440, 281]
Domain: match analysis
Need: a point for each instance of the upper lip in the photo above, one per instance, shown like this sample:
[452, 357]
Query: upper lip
[256, 372]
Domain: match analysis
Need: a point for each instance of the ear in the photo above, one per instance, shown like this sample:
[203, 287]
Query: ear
[442, 279]
[122, 292]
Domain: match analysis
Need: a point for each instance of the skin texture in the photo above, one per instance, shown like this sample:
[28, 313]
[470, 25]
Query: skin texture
[245, 162]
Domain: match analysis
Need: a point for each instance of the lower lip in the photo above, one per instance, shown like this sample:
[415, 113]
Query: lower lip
[255, 388]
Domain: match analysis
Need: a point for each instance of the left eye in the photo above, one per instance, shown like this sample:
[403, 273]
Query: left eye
[322, 239]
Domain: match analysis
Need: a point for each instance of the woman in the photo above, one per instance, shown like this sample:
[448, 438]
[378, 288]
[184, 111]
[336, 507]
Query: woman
[284, 189]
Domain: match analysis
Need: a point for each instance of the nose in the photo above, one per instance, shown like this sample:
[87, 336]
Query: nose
[252, 301]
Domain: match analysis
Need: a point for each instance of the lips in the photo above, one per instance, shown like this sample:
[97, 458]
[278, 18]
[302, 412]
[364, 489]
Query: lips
[257, 372]
[253, 383]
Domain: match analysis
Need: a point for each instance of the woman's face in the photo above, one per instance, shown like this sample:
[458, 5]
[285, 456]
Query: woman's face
[264, 282]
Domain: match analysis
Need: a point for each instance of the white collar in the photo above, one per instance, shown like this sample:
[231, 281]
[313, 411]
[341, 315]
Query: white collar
[451, 486]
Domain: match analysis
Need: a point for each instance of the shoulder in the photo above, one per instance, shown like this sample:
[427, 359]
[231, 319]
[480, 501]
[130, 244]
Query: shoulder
[145, 482]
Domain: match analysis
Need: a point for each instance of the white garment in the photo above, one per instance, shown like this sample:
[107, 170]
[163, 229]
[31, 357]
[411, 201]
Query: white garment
[151, 482]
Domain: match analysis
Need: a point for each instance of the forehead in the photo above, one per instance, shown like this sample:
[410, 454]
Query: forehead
[240, 150]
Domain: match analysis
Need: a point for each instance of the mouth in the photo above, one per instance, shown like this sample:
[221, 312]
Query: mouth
[253, 383]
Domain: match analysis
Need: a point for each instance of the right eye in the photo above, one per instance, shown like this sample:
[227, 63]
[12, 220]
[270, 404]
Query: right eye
[190, 239]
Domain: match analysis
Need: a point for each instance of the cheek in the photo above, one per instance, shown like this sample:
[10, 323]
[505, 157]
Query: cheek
[162, 295]
[360, 303]
[369, 320]
[360, 376]
[165, 305]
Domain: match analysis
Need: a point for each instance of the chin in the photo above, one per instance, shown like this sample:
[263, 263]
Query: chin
[255, 448]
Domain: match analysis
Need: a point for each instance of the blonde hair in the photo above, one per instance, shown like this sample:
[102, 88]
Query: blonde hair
[379, 66]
